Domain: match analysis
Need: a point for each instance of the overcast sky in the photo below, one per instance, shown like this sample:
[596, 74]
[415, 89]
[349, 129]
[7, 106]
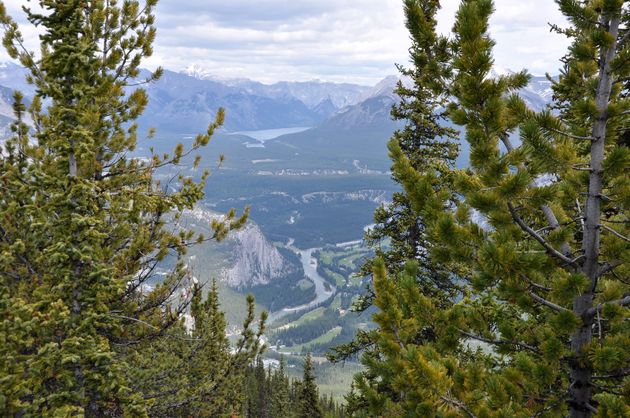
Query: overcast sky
[332, 40]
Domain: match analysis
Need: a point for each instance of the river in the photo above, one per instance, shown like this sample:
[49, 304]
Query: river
[309, 263]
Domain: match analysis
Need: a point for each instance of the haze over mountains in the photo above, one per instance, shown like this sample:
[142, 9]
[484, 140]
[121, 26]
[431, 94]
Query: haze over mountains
[317, 185]
[186, 101]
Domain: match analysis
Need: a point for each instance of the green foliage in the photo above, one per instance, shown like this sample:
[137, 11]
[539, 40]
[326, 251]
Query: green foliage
[540, 327]
[426, 144]
[82, 226]
[271, 394]
[426, 141]
[308, 395]
[194, 371]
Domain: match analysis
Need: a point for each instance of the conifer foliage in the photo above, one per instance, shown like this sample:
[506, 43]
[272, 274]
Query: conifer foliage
[270, 393]
[537, 237]
[196, 372]
[82, 226]
[308, 396]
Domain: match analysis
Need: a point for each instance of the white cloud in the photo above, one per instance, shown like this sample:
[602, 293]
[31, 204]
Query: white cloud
[335, 40]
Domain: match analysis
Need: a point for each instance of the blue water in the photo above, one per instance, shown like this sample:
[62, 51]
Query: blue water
[267, 134]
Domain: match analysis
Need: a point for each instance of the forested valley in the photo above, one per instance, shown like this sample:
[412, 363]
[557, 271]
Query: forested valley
[493, 281]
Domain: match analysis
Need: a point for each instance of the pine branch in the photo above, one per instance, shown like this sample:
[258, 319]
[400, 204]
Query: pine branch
[547, 303]
[536, 285]
[551, 217]
[608, 267]
[625, 301]
[552, 251]
[623, 40]
[617, 234]
[500, 342]
[615, 375]
[459, 405]
[576, 137]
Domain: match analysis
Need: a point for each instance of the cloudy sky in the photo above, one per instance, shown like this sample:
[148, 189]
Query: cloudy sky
[332, 40]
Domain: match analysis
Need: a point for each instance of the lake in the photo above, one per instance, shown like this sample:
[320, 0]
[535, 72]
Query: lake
[267, 134]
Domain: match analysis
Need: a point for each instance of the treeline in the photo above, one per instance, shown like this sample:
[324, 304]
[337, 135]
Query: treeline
[283, 292]
[269, 393]
[330, 319]
[308, 330]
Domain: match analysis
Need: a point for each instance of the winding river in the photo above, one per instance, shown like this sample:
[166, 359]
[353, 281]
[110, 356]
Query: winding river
[309, 263]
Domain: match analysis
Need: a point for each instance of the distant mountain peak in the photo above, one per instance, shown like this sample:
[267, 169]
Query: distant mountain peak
[198, 72]
[501, 71]
[386, 87]
[201, 73]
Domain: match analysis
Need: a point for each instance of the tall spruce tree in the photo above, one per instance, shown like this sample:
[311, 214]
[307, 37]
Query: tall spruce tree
[280, 392]
[308, 395]
[428, 142]
[538, 237]
[82, 223]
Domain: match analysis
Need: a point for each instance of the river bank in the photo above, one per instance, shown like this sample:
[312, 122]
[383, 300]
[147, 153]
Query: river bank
[323, 290]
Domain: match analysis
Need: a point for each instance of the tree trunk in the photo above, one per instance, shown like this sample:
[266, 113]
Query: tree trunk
[580, 392]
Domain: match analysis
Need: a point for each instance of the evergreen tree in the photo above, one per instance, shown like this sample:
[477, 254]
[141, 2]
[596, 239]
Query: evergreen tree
[272, 394]
[538, 237]
[428, 142]
[82, 222]
[308, 396]
[196, 372]
[280, 391]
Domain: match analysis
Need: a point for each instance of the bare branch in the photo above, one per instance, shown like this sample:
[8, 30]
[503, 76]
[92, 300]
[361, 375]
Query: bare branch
[617, 234]
[536, 285]
[557, 254]
[623, 40]
[547, 303]
[608, 267]
[500, 342]
[615, 375]
[459, 405]
[625, 301]
[576, 137]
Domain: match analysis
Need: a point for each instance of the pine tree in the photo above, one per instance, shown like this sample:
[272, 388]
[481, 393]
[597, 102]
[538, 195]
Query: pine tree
[538, 238]
[428, 142]
[196, 372]
[308, 396]
[280, 392]
[82, 222]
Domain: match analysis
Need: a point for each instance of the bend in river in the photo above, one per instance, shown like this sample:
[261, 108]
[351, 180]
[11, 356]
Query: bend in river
[309, 263]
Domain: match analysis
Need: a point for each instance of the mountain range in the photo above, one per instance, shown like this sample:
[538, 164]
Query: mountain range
[318, 186]
[183, 102]
[313, 189]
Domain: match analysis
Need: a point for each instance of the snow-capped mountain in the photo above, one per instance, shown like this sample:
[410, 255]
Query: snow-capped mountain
[538, 93]
[187, 101]
[311, 93]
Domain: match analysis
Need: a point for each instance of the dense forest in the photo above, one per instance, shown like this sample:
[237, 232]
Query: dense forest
[498, 290]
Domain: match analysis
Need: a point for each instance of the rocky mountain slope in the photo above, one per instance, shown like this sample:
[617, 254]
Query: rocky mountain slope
[311, 93]
[246, 257]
